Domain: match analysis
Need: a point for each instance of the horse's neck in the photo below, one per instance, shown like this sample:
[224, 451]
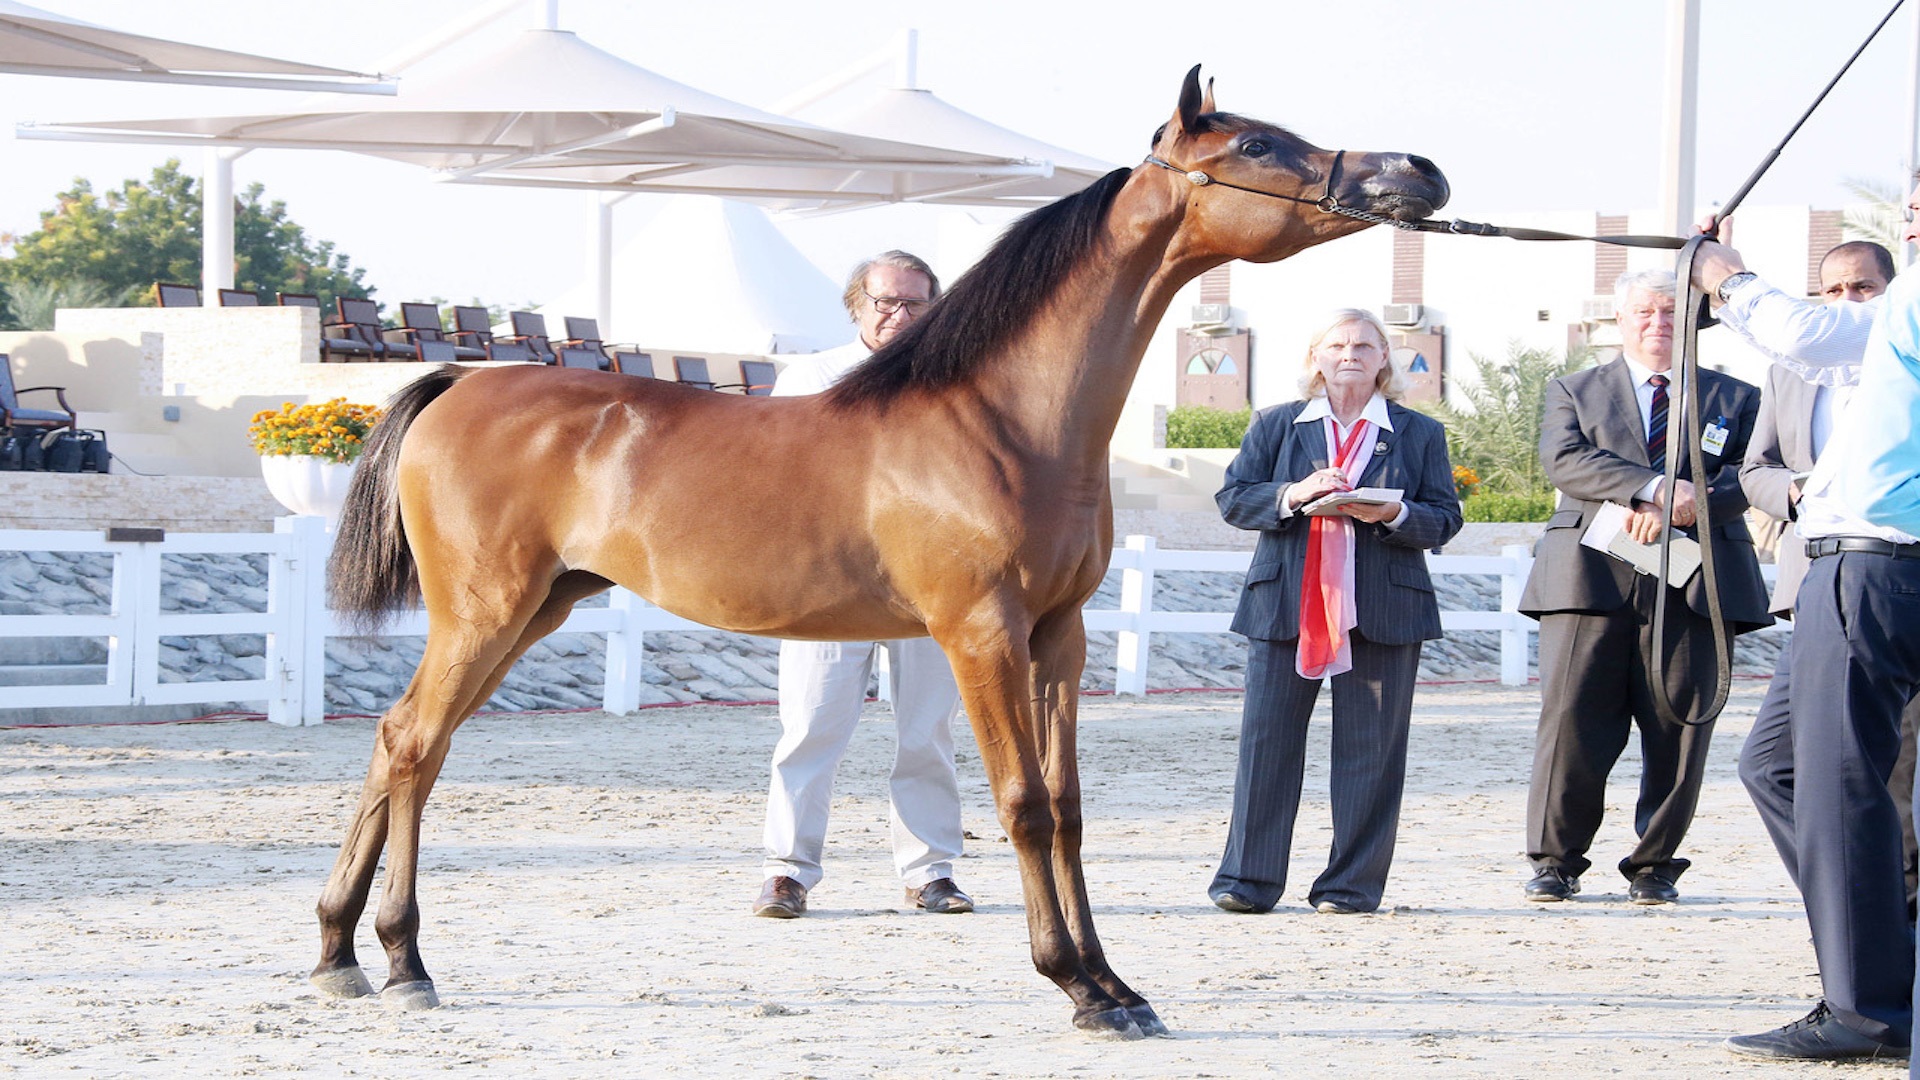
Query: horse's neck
[1066, 378]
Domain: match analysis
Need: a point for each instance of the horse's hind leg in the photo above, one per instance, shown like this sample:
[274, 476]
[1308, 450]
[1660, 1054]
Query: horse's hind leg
[1059, 647]
[345, 897]
[993, 667]
[463, 665]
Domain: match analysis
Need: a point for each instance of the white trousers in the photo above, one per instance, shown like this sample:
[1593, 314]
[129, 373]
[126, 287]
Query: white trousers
[823, 686]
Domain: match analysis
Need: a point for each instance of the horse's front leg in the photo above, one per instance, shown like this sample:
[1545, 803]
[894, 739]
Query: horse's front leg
[1059, 656]
[991, 665]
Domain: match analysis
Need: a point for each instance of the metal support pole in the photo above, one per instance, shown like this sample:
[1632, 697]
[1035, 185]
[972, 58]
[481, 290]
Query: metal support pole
[1677, 149]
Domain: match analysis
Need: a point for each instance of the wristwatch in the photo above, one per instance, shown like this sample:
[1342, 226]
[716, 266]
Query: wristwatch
[1732, 282]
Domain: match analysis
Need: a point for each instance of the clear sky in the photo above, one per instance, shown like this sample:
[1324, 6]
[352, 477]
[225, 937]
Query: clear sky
[1530, 105]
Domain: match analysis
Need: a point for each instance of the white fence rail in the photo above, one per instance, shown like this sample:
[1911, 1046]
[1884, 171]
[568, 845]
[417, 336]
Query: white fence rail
[296, 622]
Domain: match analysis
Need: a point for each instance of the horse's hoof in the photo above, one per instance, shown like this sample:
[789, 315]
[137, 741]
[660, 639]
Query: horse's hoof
[410, 997]
[1114, 1023]
[1147, 1020]
[346, 982]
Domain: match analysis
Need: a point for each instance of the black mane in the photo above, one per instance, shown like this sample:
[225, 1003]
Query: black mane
[989, 304]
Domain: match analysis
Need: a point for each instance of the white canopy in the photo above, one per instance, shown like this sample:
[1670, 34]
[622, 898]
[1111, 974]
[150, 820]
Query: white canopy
[36, 42]
[714, 275]
[541, 93]
[909, 114]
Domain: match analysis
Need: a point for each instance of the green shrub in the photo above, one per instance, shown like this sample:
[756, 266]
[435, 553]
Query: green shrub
[1495, 506]
[1199, 427]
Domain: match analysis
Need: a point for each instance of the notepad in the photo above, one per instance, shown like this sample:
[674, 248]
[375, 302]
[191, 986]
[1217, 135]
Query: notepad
[1608, 532]
[1333, 501]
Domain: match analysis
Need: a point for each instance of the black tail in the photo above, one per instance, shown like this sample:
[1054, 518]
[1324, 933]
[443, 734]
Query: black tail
[372, 572]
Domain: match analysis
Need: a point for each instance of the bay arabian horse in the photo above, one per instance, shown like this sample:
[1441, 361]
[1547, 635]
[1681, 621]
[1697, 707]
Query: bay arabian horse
[954, 485]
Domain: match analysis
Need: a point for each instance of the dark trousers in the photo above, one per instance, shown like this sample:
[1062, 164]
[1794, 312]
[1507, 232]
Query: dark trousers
[1854, 668]
[1766, 768]
[1594, 688]
[1372, 707]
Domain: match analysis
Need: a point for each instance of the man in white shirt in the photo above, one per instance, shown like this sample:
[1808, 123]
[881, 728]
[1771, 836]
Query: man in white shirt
[1822, 784]
[823, 684]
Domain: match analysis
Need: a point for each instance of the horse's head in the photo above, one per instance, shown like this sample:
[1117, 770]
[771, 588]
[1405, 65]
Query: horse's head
[1256, 191]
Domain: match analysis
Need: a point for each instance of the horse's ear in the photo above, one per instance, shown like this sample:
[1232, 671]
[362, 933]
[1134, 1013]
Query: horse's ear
[1206, 102]
[1191, 104]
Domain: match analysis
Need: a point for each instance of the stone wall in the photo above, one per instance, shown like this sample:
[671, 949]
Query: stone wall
[176, 503]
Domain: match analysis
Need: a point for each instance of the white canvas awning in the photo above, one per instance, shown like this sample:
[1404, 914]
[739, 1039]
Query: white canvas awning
[37, 42]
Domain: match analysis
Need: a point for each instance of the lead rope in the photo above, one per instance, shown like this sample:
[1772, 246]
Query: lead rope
[1693, 308]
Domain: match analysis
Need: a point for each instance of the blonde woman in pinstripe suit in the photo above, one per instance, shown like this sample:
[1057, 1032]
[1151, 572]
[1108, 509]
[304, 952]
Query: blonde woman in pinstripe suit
[1347, 433]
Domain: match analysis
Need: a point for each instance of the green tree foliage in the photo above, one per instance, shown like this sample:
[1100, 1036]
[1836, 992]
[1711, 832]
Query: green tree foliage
[29, 305]
[125, 240]
[1196, 427]
[1496, 431]
[1878, 218]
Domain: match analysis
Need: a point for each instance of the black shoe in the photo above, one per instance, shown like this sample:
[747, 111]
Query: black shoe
[1228, 900]
[1551, 885]
[1652, 887]
[1817, 1036]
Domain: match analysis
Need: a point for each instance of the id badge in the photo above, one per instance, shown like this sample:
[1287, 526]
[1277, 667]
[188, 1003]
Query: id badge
[1714, 439]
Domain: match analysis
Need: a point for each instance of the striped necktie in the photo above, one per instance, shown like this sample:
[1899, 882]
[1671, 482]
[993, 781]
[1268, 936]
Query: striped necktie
[1657, 425]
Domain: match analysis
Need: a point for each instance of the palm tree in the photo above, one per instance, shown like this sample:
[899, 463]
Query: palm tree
[29, 305]
[1880, 218]
[1497, 433]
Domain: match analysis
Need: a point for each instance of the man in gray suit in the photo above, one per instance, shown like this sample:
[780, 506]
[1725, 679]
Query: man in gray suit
[1603, 439]
[1796, 417]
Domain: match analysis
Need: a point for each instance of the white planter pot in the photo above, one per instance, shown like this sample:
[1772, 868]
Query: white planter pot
[307, 485]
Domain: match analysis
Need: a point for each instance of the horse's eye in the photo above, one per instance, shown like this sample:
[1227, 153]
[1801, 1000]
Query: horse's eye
[1255, 149]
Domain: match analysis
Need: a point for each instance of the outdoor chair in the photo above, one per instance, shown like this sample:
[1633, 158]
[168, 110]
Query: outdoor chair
[438, 352]
[362, 317]
[634, 363]
[420, 324]
[692, 371]
[14, 419]
[579, 357]
[170, 295]
[515, 351]
[585, 333]
[334, 344]
[239, 298]
[530, 329]
[472, 328]
[756, 379]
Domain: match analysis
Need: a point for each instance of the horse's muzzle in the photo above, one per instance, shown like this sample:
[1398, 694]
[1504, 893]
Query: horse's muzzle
[1406, 187]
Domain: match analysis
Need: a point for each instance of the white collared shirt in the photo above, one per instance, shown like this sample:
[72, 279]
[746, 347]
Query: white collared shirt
[815, 373]
[1318, 410]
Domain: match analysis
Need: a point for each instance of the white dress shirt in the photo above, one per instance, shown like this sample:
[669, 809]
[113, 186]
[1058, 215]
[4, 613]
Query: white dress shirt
[814, 373]
[1823, 344]
[1318, 410]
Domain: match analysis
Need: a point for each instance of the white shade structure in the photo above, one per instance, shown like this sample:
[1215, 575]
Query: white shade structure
[714, 275]
[37, 42]
[912, 114]
[541, 94]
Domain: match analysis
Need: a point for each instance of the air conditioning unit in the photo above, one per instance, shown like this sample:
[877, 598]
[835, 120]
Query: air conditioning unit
[1212, 320]
[1598, 309]
[1406, 315]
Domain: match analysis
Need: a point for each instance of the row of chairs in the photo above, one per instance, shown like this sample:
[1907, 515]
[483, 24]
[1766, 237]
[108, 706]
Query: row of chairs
[356, 334]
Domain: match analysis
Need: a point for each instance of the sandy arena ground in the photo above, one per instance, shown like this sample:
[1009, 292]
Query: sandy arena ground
[586, 880]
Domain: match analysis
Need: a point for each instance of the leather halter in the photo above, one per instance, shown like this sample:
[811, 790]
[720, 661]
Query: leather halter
[1326, 203]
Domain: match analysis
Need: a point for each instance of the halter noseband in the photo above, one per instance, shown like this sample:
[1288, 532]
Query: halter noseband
[1326, 203]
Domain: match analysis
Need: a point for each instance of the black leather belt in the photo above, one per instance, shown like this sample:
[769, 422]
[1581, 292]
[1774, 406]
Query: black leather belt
[1834, 545]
